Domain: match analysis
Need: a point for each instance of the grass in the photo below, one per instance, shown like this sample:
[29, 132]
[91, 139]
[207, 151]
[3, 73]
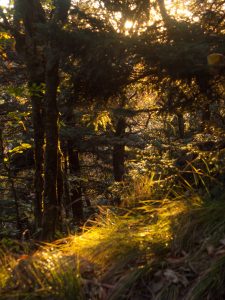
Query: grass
[7, 263]
[165, 249]
[44, 274]
[203, 223]
[211, 284]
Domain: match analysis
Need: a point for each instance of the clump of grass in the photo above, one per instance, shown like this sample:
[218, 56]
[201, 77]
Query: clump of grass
[66, 283]
[140, 187]
[124, 247]
[202, 222]
[169, 292]
[41, 275]
[211, 284]
[7, 263]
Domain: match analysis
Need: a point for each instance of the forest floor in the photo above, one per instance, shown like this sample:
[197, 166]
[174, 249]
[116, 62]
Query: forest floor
[170, 249]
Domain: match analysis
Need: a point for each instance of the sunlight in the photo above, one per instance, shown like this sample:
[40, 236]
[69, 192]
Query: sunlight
[178, 8]
[4, 2]
[128, 24]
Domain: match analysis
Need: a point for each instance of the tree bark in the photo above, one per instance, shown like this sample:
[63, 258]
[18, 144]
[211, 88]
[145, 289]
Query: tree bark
[11, 182]
[76, 191]
[205, 89]
[28, 47]
[166, 18]
[181, 126]
[51, 204]
[42, 70]
[60, 185]
[38, 125]
[119, 152]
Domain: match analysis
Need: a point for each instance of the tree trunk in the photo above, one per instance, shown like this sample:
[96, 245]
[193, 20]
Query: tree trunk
[76, 191]
[11, 182]
[206, 114]
[204, 87]
[29, 47]
[181, 126]
[119, 152]
[162, 8]
[66, 189]
[38, 125]
[51, 204]
[42, 68]
[36, 77]
[60, 185]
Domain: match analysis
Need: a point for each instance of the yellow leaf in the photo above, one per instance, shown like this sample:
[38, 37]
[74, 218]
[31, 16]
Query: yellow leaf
[25, 145]
[23, 125]
[216, 59]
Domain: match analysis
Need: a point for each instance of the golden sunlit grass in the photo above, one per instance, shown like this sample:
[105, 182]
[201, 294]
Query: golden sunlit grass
[141, 187]
[7, 263]
[122, 248]
[120, 254]
[40, 275]
[109, 246]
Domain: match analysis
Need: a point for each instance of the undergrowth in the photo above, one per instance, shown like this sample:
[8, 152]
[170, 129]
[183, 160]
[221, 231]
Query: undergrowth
[165, 249]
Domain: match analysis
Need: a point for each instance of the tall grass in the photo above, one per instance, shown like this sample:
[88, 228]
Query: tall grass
[45, 273]
[156, 249]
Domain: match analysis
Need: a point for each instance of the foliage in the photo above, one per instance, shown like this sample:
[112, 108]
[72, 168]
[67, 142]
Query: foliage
[116, 109]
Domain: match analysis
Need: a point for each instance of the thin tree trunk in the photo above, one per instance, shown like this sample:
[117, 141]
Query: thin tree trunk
[206, 114]
[66, 190]
[75, 198]
[51, 204]
[11, 182]
[60, 185]
[204, 87]
[119, 152]
[76, 191]
[181, 126]
[38, 125]
[166, 18]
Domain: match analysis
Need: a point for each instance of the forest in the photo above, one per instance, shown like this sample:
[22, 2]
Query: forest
[112, 149]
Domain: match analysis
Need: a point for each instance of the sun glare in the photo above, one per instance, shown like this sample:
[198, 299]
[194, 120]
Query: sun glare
[4, 3]
[178, 8]
[128, 24]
